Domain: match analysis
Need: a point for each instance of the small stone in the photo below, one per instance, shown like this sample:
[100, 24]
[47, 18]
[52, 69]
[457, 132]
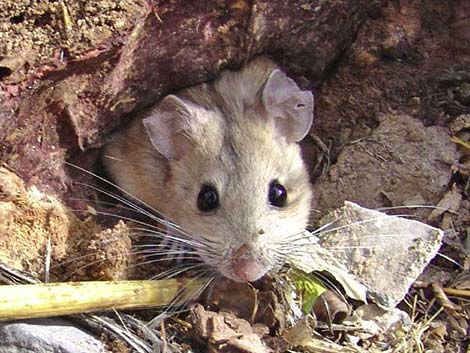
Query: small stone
[45, 336]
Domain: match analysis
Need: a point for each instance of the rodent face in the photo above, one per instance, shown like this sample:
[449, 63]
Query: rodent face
[234, 140]
[246, 229]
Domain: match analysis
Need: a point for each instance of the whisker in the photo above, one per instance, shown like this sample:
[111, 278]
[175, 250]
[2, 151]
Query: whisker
[90, 264]
[165, 220]
[325, 280]
[153, 261]
[169, 224]
[379, 236]
[169, 273]
[187, 297]
[100, 202]
[298, 250]
[158, 246]
[173, 272]
[114, 186]
[170, 253]
[356, 223]
[158, 250]
[302, 235]
[411, 207]
[166, 236]
[163, 256]
[450, 260]
[126, 202]
[65, 262]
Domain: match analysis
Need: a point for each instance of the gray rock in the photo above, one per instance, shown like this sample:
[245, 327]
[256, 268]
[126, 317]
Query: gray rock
[385, 253]
[369, 251]
[46, 336]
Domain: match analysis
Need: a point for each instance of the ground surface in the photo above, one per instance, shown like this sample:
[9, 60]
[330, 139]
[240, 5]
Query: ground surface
[385, 114]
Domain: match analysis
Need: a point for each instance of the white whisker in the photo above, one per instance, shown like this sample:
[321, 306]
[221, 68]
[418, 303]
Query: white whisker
[450, 260]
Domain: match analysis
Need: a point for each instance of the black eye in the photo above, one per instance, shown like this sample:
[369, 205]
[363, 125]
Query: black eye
[277, 194]
[208, 198]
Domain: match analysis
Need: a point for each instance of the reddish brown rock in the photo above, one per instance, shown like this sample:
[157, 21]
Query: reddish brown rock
[65, 106]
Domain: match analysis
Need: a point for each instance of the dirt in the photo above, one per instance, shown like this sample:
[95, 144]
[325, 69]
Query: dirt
[387, 113]
[382, 169]
[34, 32]
[38, 229]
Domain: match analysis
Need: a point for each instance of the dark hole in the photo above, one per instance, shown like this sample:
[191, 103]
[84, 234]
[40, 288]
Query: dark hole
[64, 54]
[340, 316]
[43, 20]
[17, 19]
[4, 72]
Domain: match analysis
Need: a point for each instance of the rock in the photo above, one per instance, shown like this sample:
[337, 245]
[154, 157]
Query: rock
[385, 253]
[366, 249]
[46, 336]
[376, 321]
[75, 106]
[400, 163]
[460, 21]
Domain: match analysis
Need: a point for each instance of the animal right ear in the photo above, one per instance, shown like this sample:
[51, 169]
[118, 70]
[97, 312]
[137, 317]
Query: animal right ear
[289, 106]
[168, 127]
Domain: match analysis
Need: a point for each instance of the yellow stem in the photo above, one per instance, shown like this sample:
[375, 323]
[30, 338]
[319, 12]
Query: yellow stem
[457, 292]
[42, 300]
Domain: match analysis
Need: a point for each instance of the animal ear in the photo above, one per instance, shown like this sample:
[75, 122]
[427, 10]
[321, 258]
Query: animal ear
[168, 127]
[291, 108]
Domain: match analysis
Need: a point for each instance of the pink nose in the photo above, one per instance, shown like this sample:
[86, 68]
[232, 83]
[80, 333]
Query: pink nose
[247, 269]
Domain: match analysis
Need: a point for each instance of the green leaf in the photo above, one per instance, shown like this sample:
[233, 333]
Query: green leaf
[309, 288]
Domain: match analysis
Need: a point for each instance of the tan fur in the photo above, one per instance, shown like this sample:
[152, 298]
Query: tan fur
[237, 152]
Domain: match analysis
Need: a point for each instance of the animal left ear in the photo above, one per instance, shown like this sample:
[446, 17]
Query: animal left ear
[290, 107]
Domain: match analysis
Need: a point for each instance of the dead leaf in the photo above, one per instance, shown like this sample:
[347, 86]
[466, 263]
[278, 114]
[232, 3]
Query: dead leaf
[450, 202]
[224, 332]
[449, 307]
[331, 308]
[301, 336]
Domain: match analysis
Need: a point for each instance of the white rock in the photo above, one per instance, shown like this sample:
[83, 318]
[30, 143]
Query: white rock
[46, 336]
[369, 251]
[385, 253]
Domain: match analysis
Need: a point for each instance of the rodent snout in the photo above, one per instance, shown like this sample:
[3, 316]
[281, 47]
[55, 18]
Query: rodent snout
[245, 266]
[247, 270]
